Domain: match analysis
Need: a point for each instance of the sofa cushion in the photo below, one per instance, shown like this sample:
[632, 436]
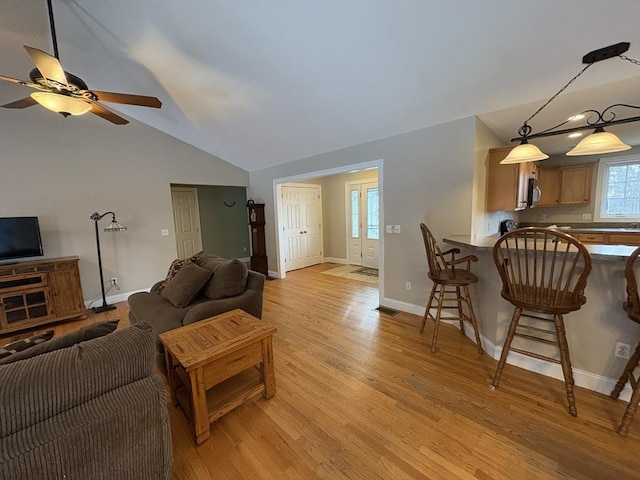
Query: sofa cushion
[24, 343]
[186, 284]
[229, 277]
[83, 334]
[175, 266]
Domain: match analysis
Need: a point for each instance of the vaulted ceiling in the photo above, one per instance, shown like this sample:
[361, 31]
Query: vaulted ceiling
[259, 83]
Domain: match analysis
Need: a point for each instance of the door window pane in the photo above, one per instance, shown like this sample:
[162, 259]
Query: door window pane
[373, 227]
[355, 221]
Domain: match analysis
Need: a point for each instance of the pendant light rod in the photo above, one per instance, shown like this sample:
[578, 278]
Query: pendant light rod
[52, 24]
[549, 133]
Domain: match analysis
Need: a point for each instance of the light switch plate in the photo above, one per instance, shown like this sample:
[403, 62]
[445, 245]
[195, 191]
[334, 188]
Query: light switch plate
[164, 232]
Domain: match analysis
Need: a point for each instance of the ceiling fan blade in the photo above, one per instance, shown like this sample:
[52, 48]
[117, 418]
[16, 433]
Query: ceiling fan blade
[22, 103]
[99, 110]
[48, 65]
[9, 79]
[140, 100]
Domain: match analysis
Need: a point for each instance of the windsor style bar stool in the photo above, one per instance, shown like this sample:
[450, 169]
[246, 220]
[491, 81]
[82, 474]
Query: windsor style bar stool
[447, 280]
[632, 307]
[545, 272]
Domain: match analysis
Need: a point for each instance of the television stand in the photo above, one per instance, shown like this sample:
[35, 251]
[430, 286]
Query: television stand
[39, 292]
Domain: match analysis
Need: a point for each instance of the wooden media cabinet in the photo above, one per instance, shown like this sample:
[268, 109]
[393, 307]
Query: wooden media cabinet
[38, 292]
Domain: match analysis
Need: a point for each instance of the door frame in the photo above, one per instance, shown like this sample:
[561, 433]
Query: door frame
[194, 190]
[379, 164]
[282, 210]
[347, 201]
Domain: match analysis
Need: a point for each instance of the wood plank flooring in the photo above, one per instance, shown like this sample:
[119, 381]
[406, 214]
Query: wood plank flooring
[360, 396]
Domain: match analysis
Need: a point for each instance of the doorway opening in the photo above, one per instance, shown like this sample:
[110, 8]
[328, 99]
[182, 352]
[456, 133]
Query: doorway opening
[281, 234]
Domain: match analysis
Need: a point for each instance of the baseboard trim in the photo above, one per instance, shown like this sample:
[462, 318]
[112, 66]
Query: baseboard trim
[111, 299]
[581, 378]
[340, 261]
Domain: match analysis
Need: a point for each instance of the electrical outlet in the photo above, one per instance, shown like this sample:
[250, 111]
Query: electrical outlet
[543, 216]
[407, 285]
[586, 216]
[623, 350]
[114, 281]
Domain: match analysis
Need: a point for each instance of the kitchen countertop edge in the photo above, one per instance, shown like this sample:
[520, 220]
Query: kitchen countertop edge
[602, 252]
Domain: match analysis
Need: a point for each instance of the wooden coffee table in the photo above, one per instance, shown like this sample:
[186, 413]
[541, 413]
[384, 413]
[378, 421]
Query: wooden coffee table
[217, 364]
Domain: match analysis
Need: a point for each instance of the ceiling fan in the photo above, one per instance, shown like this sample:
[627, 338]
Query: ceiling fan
[64, 93]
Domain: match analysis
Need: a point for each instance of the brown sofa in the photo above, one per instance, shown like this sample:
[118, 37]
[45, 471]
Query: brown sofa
[204, 286]
[94, 409]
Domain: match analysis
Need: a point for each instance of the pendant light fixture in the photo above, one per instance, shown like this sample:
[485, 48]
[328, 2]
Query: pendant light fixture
[599, 142]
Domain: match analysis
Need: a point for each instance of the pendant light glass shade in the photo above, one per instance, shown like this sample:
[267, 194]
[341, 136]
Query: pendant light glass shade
[525, 152]
[597, 143]
[59, 103]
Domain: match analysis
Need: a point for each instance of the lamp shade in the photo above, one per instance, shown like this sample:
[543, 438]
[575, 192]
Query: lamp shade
[60, 103]
[525, 152]
[114, 226]
[597, 143]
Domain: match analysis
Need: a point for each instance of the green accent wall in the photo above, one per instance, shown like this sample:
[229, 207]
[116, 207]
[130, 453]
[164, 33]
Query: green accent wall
[225, 230]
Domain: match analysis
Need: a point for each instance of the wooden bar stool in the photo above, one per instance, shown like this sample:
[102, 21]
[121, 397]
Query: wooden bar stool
[632, 307]
[545, 272]
[450, 287]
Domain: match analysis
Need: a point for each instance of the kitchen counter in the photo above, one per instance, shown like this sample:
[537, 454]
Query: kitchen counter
[602, 252]
[592, 331]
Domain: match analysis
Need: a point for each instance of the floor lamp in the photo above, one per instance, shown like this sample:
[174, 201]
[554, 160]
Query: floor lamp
[114, 226]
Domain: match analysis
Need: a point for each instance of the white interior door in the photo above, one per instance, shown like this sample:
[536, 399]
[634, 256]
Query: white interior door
[302, 213]
[186, 218]
[371, 224]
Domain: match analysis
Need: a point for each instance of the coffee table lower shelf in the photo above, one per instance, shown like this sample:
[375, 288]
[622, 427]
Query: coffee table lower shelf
[225, 396]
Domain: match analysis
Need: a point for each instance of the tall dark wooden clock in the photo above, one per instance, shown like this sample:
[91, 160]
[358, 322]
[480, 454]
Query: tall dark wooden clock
[258, 247]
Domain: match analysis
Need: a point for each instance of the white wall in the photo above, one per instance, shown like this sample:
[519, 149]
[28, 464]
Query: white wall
[64, 169]
[427, 177]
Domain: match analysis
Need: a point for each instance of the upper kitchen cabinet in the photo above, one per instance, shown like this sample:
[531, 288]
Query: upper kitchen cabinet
[565, 184]
[507, 185]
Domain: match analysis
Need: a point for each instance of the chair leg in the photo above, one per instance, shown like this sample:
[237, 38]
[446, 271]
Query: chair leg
[434, 339]
[426, 312]
[507, 345]
[633, 362]
[459, 299]
[473, 319]
[630, 411]
[566, 363]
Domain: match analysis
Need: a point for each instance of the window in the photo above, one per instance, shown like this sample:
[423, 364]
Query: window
[355, 210]
[618, 190]
[373, 226]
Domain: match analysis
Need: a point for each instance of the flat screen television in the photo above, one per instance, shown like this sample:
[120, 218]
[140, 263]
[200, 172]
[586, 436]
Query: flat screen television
[20, 237]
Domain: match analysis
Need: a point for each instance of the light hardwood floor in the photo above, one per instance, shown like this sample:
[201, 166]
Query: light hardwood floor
[360, 396]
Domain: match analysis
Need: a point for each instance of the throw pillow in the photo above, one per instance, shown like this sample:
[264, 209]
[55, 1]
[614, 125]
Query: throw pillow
[83, 334]
[229, 277]
[24, 343]
[174, 268]
[186, 284]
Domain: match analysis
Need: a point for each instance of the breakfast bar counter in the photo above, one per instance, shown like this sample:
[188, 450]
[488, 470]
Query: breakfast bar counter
[592, 331]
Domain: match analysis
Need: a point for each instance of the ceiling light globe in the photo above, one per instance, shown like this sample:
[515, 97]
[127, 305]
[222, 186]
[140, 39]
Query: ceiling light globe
[597, 143]
[60, 103]
[525, 152]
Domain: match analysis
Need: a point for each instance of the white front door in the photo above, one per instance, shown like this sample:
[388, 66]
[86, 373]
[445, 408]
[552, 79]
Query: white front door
[354, 225]
[301, 208]
[186, 219]
[363, 226]
[371, 225]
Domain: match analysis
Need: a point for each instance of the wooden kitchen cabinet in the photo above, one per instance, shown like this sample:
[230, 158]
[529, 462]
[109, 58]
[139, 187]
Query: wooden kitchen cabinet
[507, 185]
[598, 238]
[565, 184]
[549, 184]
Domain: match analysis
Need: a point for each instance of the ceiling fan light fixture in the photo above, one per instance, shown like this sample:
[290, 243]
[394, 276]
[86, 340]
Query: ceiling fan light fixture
[525, 152]
[599, 142]
[60, 103]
